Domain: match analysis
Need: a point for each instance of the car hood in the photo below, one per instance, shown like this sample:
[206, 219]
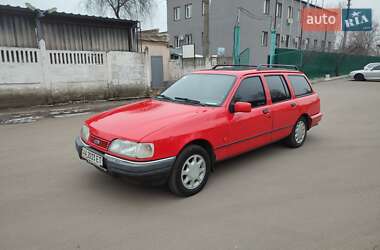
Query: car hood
[137, 120]
[357, 71]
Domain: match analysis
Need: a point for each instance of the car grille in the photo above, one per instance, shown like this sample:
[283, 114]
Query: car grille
[101, 143]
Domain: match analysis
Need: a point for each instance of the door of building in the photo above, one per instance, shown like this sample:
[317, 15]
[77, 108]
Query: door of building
[157, 71]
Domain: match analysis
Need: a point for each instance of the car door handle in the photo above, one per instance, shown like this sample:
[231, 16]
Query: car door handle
[293, 104]
[266, 111]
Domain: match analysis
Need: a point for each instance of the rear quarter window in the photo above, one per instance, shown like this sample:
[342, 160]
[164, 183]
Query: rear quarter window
[300, 85]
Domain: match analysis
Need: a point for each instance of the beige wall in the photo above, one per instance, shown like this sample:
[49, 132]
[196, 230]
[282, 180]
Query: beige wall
[159, 49]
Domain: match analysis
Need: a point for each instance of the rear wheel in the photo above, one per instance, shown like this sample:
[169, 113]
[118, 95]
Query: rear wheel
[298, 135]
[190, 171]
[359, 77]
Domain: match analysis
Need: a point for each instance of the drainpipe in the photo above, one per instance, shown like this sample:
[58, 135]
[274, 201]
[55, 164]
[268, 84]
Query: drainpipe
[206, 33]
[272, 49]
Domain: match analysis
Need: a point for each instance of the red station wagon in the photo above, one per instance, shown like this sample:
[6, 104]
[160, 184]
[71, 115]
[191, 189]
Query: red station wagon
[205, 117]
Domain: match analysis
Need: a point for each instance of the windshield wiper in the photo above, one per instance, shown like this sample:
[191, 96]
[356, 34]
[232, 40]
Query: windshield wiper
[182, 99]
[165, 97]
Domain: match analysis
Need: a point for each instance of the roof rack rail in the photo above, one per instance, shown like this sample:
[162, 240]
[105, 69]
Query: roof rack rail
[278, 66]
[234, 65]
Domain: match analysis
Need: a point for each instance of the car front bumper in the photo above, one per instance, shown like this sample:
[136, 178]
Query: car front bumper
[157, 170]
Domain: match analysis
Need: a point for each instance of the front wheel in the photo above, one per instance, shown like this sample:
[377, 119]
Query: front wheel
[359, 77]
[190, 171]
[298, 135]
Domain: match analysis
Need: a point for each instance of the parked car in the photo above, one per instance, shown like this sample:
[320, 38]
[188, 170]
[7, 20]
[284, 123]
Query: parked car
[205, 117]
[370, 72]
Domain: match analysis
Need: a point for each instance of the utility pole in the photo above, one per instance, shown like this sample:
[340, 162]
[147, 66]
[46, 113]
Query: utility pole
[345, 28]
[272, 49]
[206, 29]
[301, 36]
[325, 38]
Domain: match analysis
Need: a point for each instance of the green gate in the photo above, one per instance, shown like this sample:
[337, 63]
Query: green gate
[244, 57]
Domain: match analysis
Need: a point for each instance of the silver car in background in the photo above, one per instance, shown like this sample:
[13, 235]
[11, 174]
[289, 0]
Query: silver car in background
[370, 72]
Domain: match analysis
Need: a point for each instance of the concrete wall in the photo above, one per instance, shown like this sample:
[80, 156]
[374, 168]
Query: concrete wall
[179, 68]
[34, 76]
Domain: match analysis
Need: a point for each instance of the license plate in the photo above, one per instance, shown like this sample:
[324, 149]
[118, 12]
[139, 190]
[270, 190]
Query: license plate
[92, 158]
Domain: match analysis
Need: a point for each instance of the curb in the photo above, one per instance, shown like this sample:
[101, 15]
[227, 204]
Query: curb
[319, 80]
[32, 114]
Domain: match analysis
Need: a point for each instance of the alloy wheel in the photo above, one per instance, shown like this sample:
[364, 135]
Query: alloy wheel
[193, 171]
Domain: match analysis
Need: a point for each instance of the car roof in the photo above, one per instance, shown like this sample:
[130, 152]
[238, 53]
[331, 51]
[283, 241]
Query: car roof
[242, 70]
[372, 64]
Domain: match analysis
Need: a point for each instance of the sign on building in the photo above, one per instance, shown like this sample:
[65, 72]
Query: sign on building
[188, 51]
[330, 20]
[357, 19]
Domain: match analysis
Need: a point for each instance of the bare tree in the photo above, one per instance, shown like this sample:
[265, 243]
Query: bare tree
[363, 43]
[136, 9]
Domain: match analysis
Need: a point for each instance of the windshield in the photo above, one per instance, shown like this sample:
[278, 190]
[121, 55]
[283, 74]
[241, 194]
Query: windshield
[206, 89]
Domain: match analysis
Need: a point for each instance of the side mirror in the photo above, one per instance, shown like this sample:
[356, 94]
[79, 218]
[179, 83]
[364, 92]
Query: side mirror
[244, 107]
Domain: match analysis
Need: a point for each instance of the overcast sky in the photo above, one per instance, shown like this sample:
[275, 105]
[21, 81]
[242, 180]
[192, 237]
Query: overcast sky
[158, 17]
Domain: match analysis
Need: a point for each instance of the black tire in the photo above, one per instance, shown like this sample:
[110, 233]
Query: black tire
[175, 180]
[291, 140]
[359, 77]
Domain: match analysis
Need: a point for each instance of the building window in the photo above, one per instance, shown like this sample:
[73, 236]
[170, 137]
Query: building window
[188, 10]
[176, 41]
[279, 10]
[266, 7]
[307, 43]
[290, 12]
[188, 39]
[177, 13]
[287, 41]
[315, 43]
[323, 45]
[264, 39]
[278, 38]
[295, 42]
[329, 46]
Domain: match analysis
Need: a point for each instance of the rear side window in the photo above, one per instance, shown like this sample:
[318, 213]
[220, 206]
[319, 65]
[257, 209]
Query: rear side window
[300, 85]
[251, 90]
[278, 88]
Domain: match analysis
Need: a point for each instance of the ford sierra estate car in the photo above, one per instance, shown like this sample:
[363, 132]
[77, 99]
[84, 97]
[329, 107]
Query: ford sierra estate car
[205, 117]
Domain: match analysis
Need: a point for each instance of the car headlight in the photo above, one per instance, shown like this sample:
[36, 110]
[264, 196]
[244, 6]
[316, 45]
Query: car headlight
[132, 149]
[85, 133]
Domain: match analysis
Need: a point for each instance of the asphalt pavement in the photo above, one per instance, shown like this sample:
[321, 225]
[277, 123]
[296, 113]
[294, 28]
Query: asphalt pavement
[325, 195]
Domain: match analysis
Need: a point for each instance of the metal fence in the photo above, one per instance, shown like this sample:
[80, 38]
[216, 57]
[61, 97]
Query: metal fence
[17, 31]
[65, 31]
[318, 64]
